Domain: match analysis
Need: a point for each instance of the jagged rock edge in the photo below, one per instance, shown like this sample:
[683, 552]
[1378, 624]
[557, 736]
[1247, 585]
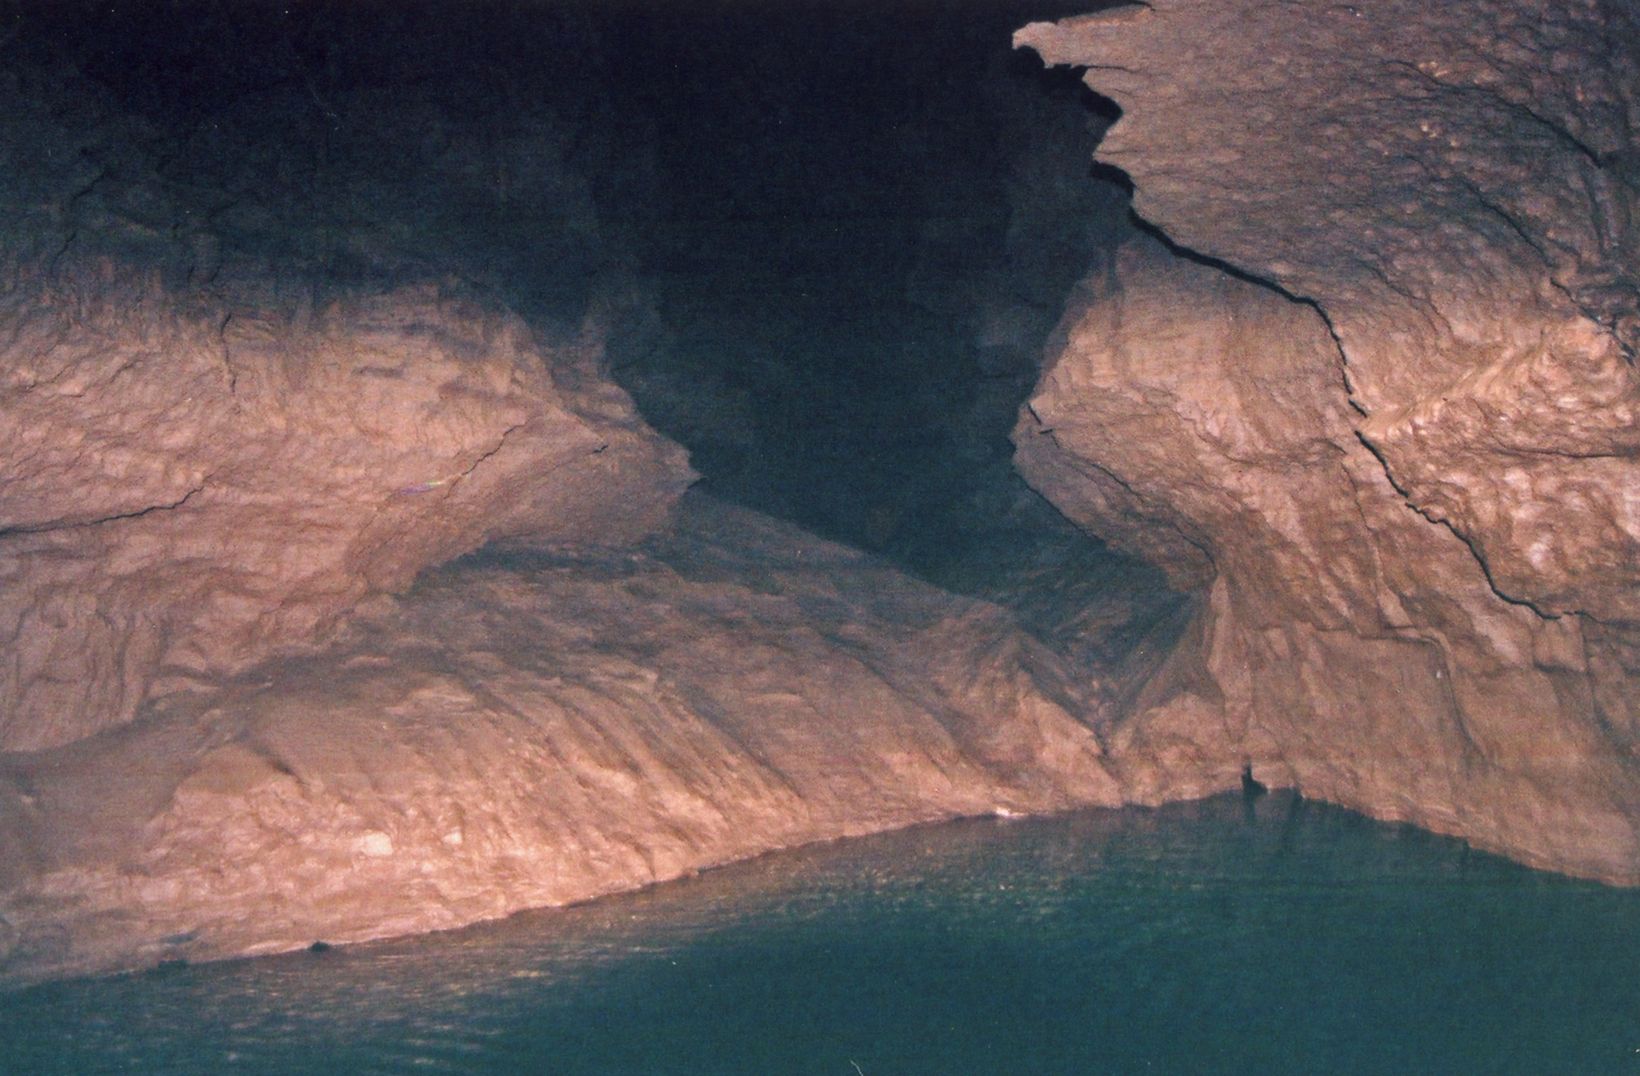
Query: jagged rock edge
[1180, 250]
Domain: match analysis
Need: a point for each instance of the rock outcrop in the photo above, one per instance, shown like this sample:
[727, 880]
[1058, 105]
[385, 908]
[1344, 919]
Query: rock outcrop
[255, 385]
[1375, 400]
[343, 595]
[533, 729]
[186, 494]
[204, 464]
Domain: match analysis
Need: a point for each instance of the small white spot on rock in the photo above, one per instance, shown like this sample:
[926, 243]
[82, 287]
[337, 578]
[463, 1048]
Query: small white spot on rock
[374, 843]
[453, 838]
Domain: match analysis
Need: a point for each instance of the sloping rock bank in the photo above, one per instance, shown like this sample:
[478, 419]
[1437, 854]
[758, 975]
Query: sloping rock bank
[534, 729]
[1381, 412]
[253, 385]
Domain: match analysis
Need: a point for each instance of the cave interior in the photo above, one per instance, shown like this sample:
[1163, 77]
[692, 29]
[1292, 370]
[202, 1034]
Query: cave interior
[825, 230]
[472, 457]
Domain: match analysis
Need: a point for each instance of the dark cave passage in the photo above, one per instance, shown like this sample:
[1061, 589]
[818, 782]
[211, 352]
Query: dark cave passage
[855, 229]
[827, 241]
[857, 247]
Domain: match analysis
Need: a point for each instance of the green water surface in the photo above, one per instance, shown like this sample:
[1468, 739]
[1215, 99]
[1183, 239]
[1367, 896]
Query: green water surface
[1225, 936]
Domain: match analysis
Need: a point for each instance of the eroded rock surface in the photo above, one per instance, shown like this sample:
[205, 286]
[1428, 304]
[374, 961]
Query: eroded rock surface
[184, 495]
[204, 463]
[1401, 463]
[533, 729]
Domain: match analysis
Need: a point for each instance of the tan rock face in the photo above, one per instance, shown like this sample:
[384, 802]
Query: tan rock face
[253, 383]
[221, 735]
[531, 730]
[185, 494]
[195, 476]
[1409, 495]
[1392, 453]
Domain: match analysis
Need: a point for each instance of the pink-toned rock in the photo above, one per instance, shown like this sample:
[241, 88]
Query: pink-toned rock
[185, 492]
[197, 473]
[1403, 472]
[524, 730]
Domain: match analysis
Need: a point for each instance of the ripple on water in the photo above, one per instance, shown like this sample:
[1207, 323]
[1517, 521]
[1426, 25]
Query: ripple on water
[1286, 937]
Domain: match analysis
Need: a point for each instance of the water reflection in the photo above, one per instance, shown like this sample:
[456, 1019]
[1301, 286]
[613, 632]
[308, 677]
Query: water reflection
[1225, 935]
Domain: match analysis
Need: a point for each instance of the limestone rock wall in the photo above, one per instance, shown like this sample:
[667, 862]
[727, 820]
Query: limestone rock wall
[523, 730]
[203, 462]
[1380, 410]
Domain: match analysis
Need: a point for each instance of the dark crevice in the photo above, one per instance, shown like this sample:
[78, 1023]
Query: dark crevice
[828, 240]
[79, 524]
[1469, 543]
[1238, 273]
[1228, 268]
[1383, 462]
[863, 229]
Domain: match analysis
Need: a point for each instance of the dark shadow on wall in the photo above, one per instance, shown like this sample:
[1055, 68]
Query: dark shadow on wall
[827, 239]
[861, 229]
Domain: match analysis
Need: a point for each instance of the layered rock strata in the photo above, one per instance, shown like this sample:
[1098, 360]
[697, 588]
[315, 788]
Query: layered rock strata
[1376, 402]
[532, 729]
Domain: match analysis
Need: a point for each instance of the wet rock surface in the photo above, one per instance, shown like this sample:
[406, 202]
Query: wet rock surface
[534, 729]
[1379, 410]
